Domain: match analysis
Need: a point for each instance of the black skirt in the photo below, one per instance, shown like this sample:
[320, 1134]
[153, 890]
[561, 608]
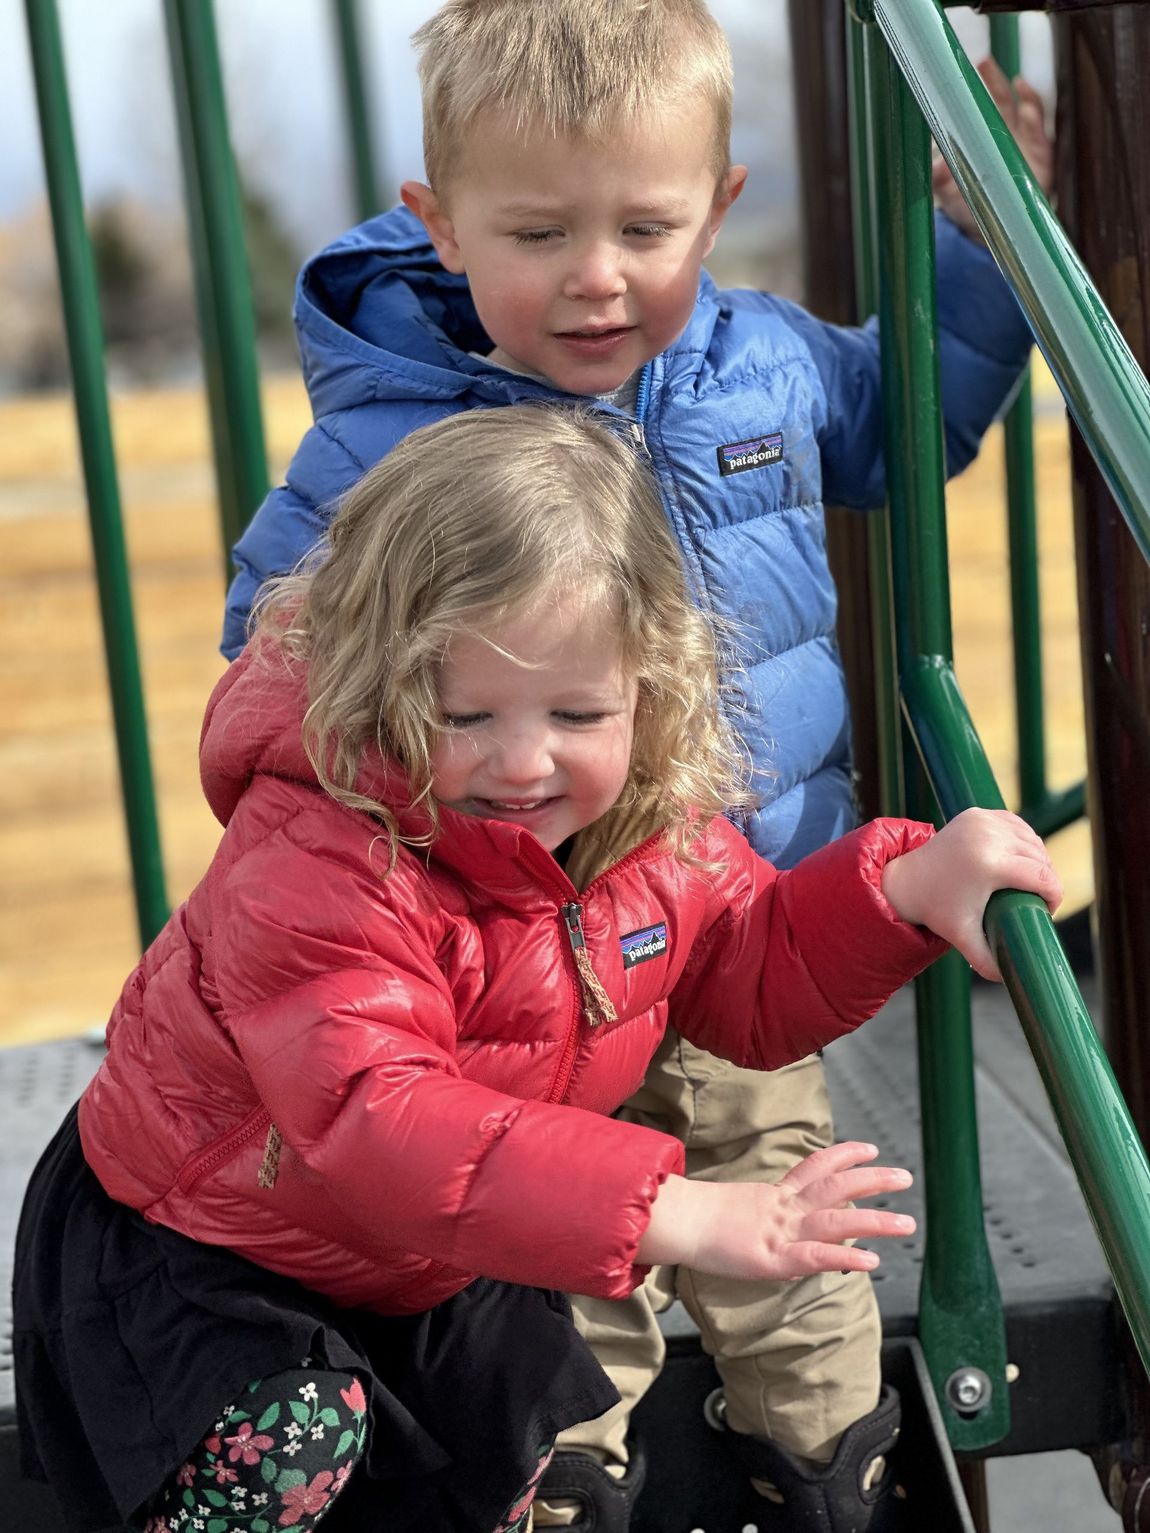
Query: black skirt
[129, 1340]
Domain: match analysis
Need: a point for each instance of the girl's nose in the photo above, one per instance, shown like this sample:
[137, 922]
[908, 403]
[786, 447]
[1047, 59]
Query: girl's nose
[525, 757]
[596, 273]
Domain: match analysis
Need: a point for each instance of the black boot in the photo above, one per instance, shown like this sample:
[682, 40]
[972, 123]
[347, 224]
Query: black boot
[839, 1497]
[605, 1503]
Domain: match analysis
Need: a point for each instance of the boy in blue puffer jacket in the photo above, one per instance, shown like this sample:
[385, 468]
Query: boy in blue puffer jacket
[578, 165]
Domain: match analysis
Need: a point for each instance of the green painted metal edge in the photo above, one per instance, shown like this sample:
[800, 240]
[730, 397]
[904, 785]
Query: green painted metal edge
[1096, 1126]
[1105, 390]
[223, 283]
[961, 1323]
[86, 353]
[357, 110]
[886, 696]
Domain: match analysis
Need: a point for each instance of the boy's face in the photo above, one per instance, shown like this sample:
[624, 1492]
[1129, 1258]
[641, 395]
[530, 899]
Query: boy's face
[583, 258]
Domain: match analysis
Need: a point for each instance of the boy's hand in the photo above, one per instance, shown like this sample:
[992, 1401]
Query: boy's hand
[1023, 112]
[946, 883]
[784, 1229]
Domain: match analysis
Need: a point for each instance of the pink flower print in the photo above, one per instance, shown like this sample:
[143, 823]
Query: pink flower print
[353, 1398]
[186, 1475]
[247, 1445]
[157, 1525]
[222, 1473]
[342, 1476]
[298, 1499]
[212, 1444]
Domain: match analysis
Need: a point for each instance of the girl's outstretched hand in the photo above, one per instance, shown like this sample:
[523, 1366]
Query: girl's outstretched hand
[946, 883]
[1023, 113]
[782, 1229]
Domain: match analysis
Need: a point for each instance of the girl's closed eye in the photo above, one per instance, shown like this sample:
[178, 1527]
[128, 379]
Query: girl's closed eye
[574, 716]
[464, 720]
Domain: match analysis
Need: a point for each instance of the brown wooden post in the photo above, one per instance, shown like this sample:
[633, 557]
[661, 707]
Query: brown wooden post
[819, 67]
[1103, 186]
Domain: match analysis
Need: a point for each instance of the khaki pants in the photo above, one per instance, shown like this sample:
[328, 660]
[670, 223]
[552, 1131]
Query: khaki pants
[799, 1360]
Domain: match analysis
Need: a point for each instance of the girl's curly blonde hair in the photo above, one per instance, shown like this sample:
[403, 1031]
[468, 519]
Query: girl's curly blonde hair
[470, 522]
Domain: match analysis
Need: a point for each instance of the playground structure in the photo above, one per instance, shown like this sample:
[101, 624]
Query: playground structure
[980, 1374]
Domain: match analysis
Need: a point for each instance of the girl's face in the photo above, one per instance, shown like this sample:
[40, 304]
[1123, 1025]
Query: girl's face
[540, 720]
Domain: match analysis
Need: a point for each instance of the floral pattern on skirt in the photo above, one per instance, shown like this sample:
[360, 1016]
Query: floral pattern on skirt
[277, 1472]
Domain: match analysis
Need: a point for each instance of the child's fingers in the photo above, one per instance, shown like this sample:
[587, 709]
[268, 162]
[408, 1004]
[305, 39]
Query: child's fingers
[809, 1256]
[825, 1162]
[842, 1187]
[843, 1224]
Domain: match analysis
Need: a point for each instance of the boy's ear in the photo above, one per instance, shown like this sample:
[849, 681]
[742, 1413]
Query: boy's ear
[423, 202]
[725, 193]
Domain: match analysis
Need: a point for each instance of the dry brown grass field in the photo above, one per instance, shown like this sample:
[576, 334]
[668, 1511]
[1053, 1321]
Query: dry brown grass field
[68, 936]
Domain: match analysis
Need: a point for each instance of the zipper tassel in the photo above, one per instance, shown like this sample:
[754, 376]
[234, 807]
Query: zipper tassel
[597, 1004]
[270, 1165]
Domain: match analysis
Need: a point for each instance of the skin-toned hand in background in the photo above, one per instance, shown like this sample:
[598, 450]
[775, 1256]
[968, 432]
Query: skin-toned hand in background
[1023, 112]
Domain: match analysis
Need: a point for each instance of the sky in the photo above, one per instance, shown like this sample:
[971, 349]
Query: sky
[282, 85]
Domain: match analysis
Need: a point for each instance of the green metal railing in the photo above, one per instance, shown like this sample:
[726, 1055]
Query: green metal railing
[223, 282]
[919, 78]
[89, 391]
[228, 337]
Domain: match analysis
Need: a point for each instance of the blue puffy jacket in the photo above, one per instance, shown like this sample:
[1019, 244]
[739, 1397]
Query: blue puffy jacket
[755, 415]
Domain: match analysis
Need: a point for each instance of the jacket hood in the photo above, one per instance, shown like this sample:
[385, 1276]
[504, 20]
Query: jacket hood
[378, 317]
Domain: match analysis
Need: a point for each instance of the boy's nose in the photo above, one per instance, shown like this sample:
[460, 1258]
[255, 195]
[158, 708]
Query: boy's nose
[597, 273]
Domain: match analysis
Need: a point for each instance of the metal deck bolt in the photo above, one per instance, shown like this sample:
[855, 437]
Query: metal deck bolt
[969, 1390]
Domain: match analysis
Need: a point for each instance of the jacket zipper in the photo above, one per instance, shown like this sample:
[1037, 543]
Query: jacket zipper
[596, 1004]
[223, 1149]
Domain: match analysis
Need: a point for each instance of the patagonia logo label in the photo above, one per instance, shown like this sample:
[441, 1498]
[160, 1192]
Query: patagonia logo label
[755, 452]
[639, 946]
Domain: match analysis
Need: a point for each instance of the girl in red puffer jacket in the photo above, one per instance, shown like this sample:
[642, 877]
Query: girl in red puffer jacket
[303, 1237]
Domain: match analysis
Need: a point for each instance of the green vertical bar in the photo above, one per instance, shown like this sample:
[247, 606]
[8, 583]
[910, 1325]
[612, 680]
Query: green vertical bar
[960, 1311]
[349, 36]
[223, 284]
[86, 353]
[878, 524]
[1018, 436]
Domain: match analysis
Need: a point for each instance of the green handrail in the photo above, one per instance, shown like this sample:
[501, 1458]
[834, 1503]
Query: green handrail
[1105, 391]
[1111, 400]
[961, 1323]
[365, 177]
[223, 283]
[89, 391]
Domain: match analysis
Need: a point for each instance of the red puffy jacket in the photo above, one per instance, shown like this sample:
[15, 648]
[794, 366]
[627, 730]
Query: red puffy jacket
[420, 1039]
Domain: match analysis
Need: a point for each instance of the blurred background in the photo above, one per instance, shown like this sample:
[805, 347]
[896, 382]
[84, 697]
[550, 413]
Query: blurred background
[68, 937]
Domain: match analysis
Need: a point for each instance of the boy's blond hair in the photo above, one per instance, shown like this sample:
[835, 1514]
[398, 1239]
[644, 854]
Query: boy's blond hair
[577, 67]
[470, 522]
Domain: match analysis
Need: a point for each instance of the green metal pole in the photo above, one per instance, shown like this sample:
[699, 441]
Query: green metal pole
[349, 37]
[960, 1311]
[86, 353]
[1100, 1136]
[1105, 391]
[888, 724]
[1018, 436]
[223, 284]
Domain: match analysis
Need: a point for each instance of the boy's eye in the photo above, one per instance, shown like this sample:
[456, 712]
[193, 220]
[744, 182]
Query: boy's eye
[534, 236]
[648, 231]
